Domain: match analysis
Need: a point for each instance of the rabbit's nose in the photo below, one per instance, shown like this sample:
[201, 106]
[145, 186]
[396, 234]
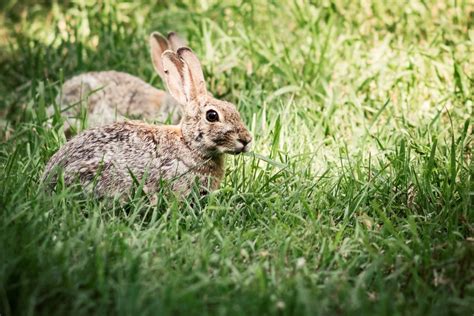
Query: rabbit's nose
[245, 141]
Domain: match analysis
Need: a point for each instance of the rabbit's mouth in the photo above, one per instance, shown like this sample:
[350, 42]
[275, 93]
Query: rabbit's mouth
[239, 148]
[233, 146]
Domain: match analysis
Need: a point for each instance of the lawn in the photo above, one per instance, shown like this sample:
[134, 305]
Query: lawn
[357, 200]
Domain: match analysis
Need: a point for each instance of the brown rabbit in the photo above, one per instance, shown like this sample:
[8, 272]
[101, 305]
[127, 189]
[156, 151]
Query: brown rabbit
[188, 153]
[109, 96]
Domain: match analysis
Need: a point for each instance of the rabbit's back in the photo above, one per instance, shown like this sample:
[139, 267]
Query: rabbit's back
[110, 96]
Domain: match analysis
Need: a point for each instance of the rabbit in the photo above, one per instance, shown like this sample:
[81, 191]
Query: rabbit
[109, 96]
[102, 159]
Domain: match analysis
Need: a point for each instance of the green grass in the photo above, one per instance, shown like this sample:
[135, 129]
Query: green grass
[365, 205]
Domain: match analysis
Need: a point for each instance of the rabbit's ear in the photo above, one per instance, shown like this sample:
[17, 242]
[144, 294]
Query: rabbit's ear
[158, 44]
[177, 77]
[176, 42]
[198, 87]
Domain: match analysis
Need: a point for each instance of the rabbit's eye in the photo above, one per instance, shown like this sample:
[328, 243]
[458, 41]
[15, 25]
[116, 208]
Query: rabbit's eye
[212, 116]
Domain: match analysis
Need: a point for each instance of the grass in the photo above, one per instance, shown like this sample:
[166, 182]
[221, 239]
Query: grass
[359, 199]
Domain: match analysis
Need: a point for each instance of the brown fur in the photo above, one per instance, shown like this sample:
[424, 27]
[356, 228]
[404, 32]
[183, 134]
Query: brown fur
[147, 151]
[111, 96]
